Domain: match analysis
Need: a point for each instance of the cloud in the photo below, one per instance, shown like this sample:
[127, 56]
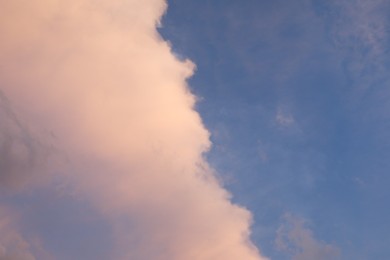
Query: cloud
[361, 23]
[99, 79]
[298, 241]
[21, 153]
[359, 28]
[13, 246]
[284, 119]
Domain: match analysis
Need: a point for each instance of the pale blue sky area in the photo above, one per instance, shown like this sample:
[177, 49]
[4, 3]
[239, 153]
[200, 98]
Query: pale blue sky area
[295, 94]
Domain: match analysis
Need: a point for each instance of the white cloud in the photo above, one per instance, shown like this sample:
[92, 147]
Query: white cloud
[97, 76]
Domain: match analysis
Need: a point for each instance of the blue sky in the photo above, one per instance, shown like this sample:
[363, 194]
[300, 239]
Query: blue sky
[105, 154]
[295, 95]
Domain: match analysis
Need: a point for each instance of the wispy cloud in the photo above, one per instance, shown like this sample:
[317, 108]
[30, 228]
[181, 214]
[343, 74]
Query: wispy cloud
[298, 241]
[360, 29]
[284, 118]
[22, 155]
[13, 244]
[97, 75]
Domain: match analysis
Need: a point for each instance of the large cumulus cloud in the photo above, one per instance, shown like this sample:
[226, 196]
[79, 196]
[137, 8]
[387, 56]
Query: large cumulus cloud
[95, 80]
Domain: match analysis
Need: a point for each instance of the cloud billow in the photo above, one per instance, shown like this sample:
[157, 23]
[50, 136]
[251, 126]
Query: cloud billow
[98, 77]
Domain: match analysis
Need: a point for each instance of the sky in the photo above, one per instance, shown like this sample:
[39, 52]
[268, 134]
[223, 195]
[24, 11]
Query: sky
[194, 129]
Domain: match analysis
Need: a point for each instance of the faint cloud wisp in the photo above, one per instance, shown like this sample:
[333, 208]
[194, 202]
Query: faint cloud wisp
[298, 241]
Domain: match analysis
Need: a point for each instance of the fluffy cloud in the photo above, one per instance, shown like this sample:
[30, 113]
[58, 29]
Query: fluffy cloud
[95, 80]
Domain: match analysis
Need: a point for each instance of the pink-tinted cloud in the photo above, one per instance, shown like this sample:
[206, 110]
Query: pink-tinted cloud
[13, 246]
[22, 154]
[99, 79]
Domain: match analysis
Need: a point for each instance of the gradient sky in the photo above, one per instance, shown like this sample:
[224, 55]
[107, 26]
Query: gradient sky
[260, 130]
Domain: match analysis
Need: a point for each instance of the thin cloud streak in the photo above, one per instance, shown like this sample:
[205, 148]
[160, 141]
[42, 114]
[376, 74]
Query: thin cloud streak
[98, 77]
